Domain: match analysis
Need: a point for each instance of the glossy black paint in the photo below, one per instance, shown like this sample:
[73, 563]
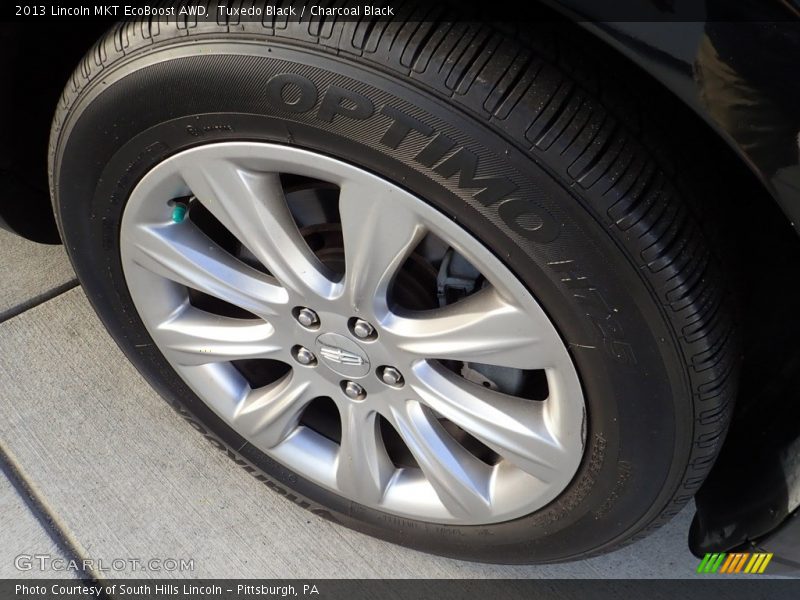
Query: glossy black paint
[737, 69]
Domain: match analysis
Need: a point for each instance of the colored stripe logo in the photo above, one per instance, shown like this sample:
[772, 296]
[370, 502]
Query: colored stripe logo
[735, 562]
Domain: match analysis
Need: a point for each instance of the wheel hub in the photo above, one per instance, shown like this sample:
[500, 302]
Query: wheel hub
[343, 356]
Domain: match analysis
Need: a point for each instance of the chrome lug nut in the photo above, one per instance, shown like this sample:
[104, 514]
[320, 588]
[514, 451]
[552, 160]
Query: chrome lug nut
[307, 317]
[362, 329]
[353, 391]
[304, 356]
[391, 376]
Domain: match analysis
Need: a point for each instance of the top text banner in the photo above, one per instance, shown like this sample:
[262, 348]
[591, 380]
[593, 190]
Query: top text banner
[326, 12]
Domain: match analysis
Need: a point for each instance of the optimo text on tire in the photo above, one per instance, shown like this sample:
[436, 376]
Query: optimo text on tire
[421, 279]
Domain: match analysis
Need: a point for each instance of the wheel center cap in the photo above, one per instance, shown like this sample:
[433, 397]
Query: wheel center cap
[342, 355]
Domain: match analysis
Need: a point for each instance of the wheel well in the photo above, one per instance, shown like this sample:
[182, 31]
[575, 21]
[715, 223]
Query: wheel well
[36, 64]
[758, 247]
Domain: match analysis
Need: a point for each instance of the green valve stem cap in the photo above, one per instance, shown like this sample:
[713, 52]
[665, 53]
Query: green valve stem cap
[179, 213]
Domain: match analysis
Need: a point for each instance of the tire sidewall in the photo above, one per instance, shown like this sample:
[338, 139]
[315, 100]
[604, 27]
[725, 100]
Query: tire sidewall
[639, 423]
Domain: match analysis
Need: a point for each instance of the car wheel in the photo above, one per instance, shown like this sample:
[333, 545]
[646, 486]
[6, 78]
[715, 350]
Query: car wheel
[447, 297]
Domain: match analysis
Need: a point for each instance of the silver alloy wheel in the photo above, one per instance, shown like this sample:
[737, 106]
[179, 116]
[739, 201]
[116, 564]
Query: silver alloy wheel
[539, 443]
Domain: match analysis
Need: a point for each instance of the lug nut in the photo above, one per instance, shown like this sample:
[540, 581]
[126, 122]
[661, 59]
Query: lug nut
[353, 391]
[391, 376]
[307, 317]
[362, 329]
[304, 356]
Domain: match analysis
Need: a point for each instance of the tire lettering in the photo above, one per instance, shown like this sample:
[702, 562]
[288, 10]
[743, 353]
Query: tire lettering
[603, 317]
[536, 225]
[521, 216]
[464, 163]
[435, 151]
[299, 94]
[402, 124]
[338, 101]
[291, 92]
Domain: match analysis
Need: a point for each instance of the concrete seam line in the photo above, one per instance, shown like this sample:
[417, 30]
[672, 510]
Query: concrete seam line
[26, 305]
[44, 514]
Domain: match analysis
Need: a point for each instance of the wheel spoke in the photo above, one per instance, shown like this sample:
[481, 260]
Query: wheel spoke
[513, 427]
[363, 468]
[267, 415]
[459, 479]
[379, 234]
[183, 254]
[252, 206]
[482, 328]
[195, 337]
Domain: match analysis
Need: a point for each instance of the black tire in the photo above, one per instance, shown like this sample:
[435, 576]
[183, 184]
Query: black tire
[582, 206]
